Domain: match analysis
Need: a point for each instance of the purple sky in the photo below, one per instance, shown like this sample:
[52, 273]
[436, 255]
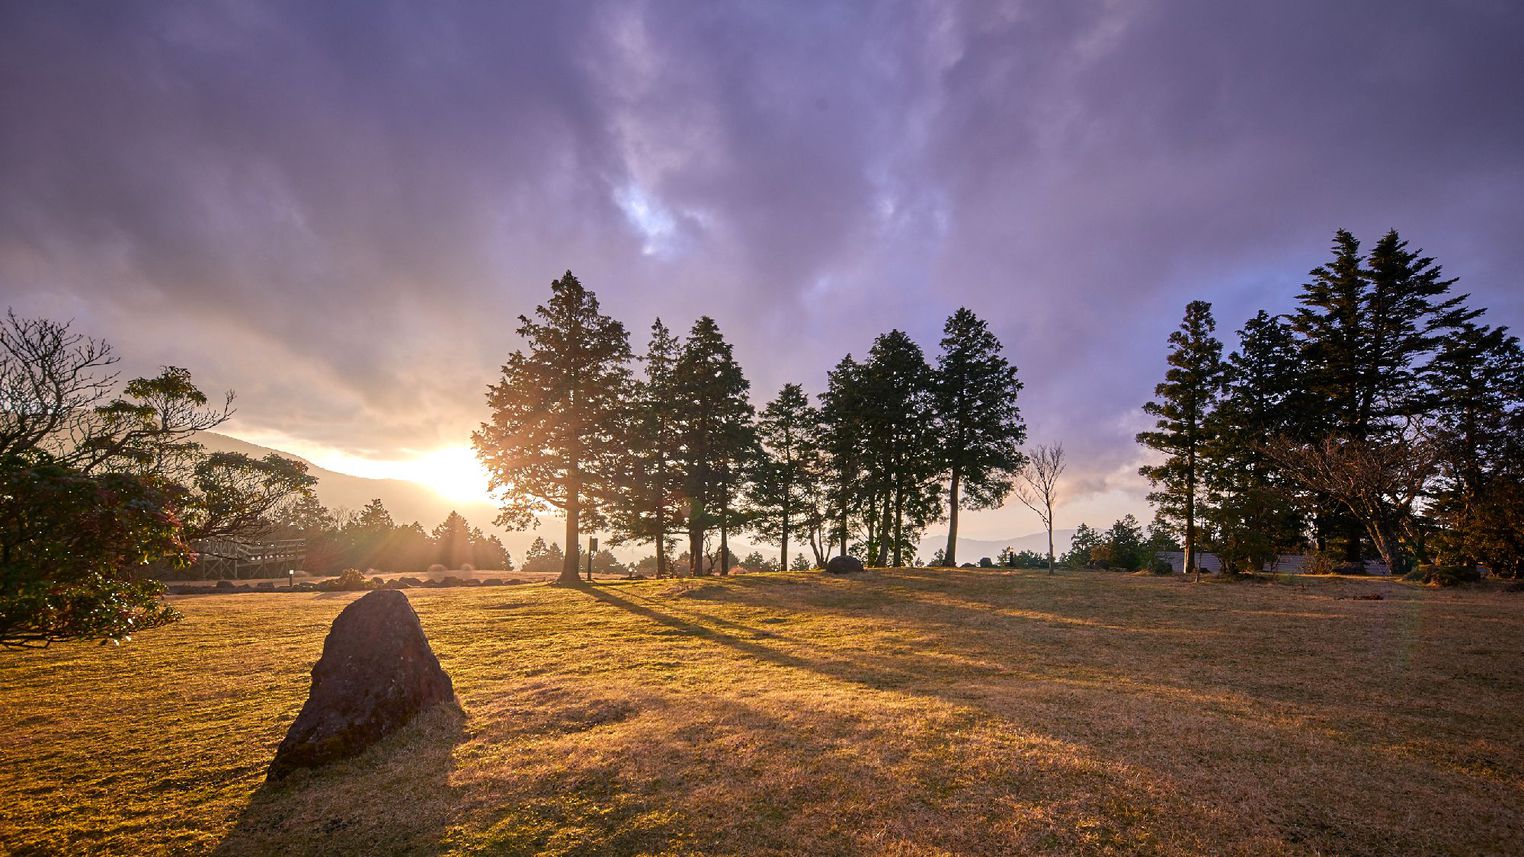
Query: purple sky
[338, 209]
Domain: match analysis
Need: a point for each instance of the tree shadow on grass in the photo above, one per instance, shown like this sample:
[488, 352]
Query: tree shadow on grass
[395, 798]
[843, 669]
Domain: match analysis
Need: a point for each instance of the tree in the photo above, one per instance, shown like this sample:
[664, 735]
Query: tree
[899, 447]
[550, 442]
[843, 416]
[1477, 386]
[1084, 542]
[717, 435]
[1365, 325]
[649, 503]
[452, 541]
[70, 546]
[981, 426]
[1184, 400]
[1377, 482]
[542, 557]
[1038, 487]
[98, 487]
[786, 434]
[1250, 510]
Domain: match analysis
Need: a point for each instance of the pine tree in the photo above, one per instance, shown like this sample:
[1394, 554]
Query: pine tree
[786, 445]
[1250, 510]
[900, 447]
[650, 502]
[976, 412]
[1184, 400]
[843, 415]
[452, 541]
[1365, 333]
[716, 435]
[1476, 382]
[551, 443]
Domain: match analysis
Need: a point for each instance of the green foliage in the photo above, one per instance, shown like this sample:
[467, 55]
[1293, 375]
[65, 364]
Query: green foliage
[73, 552]
[553, 440]
[350, 580]
[787, 469]
[1183, 403]
[974, 403]
[1010, 558]
[717, 437]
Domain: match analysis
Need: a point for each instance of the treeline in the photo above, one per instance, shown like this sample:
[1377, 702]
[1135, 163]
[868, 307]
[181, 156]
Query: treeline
[1380, 419]
[676, 452]
[368, 539]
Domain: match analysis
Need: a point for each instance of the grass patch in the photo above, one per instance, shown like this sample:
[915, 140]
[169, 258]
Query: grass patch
[904, 712]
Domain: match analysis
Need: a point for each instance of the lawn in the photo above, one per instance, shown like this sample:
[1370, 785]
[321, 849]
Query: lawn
[893, 712]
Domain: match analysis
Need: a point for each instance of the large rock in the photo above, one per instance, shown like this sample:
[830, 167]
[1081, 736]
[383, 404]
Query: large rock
[843, 564]
[377, 671]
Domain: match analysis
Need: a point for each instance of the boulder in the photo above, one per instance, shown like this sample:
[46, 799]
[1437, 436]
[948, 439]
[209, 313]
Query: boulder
[843, 564]
[377, 671]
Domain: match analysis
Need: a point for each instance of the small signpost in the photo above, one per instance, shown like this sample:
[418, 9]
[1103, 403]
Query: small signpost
[592, 548]
[290, 578]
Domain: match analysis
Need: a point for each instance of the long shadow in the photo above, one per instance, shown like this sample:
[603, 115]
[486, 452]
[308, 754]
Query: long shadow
[844, 670]
[340, 809]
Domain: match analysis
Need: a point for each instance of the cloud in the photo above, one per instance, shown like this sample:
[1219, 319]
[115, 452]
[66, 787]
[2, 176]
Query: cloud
[339, 209]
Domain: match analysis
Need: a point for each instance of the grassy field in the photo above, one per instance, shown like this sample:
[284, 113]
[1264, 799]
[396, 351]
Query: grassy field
[909, 712]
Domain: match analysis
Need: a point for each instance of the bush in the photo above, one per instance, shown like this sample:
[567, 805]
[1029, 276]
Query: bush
[1448, 575]
[1161, 566]
[351, 580]
[986, 562]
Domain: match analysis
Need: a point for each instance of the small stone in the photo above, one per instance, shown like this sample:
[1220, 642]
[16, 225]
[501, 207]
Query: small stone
[377, 671]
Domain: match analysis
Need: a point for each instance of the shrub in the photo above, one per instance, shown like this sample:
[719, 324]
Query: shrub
[1449, 575]
[351, 580]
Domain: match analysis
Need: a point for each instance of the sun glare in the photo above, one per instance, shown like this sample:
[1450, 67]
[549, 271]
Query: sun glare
[453, 473]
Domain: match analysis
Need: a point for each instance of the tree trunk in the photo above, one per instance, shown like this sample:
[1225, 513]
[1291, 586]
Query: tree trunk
[661, 545]
[899, 526]
[695, 540]
[783, 564]
[724, 526]
[1049, 505]
[950, 556]
[1189, 557]
[573, 511]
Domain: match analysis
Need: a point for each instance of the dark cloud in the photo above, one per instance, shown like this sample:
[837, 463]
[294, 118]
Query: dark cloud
[339, 208]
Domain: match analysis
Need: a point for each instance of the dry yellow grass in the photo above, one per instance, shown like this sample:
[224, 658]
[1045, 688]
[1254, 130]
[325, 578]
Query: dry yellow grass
[912, 712]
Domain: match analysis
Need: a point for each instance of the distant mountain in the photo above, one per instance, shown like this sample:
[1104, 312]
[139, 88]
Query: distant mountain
[407, 501]
[970, 550]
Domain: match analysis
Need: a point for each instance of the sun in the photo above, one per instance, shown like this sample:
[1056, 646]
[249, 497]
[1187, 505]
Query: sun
[452, 472]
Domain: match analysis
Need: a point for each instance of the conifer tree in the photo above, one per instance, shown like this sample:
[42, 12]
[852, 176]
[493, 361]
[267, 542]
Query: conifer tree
[1250, 509]
[1365, 328]
[981, 426]
[843, 415]
[551, 442]
[650, 500]
[1477, 387]
[716, 435]
[900, 447]
[1183, 401]
[786, 434]
[452, 541]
